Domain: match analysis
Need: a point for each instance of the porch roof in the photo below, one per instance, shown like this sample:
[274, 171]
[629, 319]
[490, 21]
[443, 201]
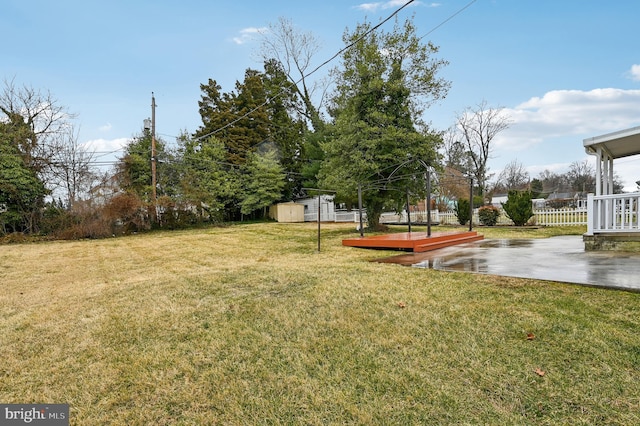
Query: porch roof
[622, 143]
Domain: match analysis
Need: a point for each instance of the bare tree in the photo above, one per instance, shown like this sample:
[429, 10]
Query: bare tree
[479, 127]
[553, 182]
[582, 176]
[44, 117]
[513, 176]
[71, 168]
[294, 50]
[454, 151]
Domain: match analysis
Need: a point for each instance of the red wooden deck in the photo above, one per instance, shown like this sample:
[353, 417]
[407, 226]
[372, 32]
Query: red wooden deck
[413, 241]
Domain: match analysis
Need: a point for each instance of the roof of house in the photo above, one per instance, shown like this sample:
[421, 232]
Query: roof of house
[622, 143]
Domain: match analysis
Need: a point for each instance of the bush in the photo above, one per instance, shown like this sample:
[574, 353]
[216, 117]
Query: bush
[462, 211]
[488, 215]
[518, 207]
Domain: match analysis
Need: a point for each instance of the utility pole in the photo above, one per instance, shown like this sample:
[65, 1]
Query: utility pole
[153, 151]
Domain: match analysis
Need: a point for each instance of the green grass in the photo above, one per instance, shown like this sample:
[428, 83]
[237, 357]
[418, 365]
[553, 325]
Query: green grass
[248, 324]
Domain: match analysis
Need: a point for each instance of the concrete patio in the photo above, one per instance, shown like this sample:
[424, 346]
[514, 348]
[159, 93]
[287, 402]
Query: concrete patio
[561, 259]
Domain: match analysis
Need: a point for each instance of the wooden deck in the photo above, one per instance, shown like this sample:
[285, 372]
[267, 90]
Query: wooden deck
[413, 241]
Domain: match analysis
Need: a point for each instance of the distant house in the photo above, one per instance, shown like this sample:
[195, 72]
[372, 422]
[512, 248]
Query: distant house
[498, 199]
[327, 208]
[566, 199]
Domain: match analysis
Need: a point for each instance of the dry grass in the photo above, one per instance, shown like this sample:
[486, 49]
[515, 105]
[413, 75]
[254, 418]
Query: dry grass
[250, 325]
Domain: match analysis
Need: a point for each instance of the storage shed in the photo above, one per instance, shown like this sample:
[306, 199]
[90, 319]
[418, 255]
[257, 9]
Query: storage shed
[287, 212]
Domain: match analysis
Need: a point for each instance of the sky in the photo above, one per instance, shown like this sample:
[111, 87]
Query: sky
[563, 70]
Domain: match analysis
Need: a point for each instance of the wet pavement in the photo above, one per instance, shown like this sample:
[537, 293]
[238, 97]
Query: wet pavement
[561, 259]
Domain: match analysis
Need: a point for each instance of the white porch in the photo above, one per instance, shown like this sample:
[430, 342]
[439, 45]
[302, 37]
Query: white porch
[612, 218]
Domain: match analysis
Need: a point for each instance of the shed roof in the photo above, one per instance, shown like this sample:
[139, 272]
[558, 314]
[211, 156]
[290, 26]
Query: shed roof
[622, 143]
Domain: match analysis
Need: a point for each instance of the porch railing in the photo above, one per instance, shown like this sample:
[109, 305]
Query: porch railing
[613, 213]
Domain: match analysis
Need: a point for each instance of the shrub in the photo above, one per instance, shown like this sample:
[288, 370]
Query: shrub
[488, 215]
[462, 211]
[518, 207]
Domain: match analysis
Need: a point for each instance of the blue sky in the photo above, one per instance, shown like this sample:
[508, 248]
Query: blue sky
[564, 70]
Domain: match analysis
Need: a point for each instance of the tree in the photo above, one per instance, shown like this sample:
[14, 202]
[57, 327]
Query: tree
[513, 176]
[294, 50]
[455, 152]
[21, 191]
[384, 83]
[518, 207]
[479, 127]
[553, 182]
[462, 210]
[36, 118]
[263, 182]
[209, 183]
[30, 120]
[286, 130]
[537, 188]
[582, 176]
[134, 167]
[71, 168]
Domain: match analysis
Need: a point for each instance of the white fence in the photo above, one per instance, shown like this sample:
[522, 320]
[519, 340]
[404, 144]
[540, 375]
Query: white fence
[543, 217]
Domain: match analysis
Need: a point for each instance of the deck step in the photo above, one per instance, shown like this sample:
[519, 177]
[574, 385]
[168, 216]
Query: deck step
[420, 248]
[416, 242]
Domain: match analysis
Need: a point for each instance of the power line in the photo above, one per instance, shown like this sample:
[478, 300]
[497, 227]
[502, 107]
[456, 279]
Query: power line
[349, 46]
[448, 19]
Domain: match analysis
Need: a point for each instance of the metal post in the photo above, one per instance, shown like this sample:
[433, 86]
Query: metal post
[360, 209]
[408, 211]
[319, 222]
[470, 204]
[428, 179]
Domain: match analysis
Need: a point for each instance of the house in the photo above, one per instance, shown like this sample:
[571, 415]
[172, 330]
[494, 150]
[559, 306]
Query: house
[612, 219]
[323, 204]
[566, 199]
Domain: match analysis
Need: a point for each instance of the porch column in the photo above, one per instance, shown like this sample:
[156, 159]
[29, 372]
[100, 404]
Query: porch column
[611, 190]
[590, 215]
[598, 171]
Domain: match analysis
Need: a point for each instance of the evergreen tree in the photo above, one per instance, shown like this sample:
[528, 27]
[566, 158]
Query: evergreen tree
[22, 192]
[263, 182]
[518, 207]
[208, 182]
[134, 167]
[286, 128]
[384, 84]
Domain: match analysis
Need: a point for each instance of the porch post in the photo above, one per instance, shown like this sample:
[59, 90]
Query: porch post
[599, 171]
[590, 214]
[610, 177]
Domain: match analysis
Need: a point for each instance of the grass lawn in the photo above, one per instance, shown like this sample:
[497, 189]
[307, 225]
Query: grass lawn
[248, 324]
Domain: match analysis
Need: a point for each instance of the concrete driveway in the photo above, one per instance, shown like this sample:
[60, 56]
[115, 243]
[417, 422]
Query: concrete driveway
[560, 259]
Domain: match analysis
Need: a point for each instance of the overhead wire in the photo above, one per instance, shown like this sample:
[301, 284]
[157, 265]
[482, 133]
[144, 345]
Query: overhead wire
[344, 49]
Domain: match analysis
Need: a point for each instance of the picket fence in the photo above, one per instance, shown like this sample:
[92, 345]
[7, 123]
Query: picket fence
[542, 217]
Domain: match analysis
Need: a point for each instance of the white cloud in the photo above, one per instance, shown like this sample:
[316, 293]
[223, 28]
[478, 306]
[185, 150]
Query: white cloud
[105, 128]
[248, 34]
[574, 113]
[547, 132]
[634, 72]
[106, 145]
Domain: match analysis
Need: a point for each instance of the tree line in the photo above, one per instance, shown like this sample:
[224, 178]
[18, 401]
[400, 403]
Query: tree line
[280, 133]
